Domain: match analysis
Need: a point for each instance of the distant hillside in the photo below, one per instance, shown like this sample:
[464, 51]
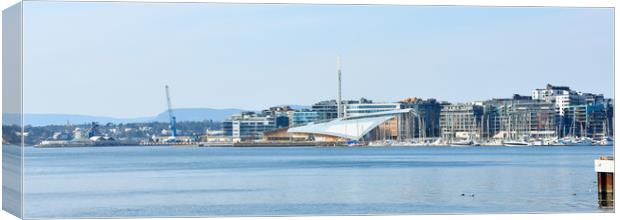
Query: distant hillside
[298, 107]
[182, 114]
[61, 119]
[198, 114]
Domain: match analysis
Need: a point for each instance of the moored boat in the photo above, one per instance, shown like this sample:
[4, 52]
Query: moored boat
[466, 143]
[515, 143]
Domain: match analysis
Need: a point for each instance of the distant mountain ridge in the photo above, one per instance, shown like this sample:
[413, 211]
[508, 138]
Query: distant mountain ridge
[298, 107]
[198, 114]
[182, 114]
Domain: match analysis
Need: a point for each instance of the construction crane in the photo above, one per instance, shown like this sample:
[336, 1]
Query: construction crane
[173, 120]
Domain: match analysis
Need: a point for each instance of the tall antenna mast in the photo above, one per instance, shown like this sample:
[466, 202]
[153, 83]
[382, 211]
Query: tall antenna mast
[339, 87]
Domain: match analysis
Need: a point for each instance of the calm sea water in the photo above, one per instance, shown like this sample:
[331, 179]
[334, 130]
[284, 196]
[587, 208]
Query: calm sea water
[167, 181]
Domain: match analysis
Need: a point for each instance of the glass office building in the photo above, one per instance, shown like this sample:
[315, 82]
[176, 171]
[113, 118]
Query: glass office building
[305, 116]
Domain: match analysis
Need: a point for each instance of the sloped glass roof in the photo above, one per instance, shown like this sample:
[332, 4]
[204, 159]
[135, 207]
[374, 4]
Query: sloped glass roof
[353, 129]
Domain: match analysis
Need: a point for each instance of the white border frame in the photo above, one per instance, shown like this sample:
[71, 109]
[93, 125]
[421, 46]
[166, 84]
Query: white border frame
[563, 3]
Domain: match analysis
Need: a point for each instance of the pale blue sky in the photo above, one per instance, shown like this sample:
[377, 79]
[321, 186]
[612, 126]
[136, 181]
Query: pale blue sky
[113, 59]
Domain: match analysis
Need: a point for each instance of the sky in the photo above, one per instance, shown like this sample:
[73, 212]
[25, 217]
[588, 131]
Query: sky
[114, 59]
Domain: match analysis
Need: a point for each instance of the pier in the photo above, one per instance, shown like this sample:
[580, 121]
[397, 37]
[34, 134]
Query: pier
[604, 167]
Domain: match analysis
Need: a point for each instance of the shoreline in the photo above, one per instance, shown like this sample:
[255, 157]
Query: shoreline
[303, 145]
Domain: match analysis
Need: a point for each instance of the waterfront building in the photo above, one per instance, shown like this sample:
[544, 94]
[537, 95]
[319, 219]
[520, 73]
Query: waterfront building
[329, 109]
[281, 115]
[410, 118]
[277, 110]
[426, 122]
[362, 108]
[566, 99]
[216, 136]
[549, 93]
[282, 121]
[387, 125]
[561, 96]
[592, 99]
[571, 106]
[609, 120]
[519, 118]
[461, 121]
[588, 120]
[247, 126]
[326, 109]
[304, 116]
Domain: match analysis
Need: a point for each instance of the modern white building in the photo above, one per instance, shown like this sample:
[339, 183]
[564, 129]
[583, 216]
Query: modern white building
[384, 125]
[549, 93]
[562, 102]
[561, 96]
[357, 109]
[247, 126]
